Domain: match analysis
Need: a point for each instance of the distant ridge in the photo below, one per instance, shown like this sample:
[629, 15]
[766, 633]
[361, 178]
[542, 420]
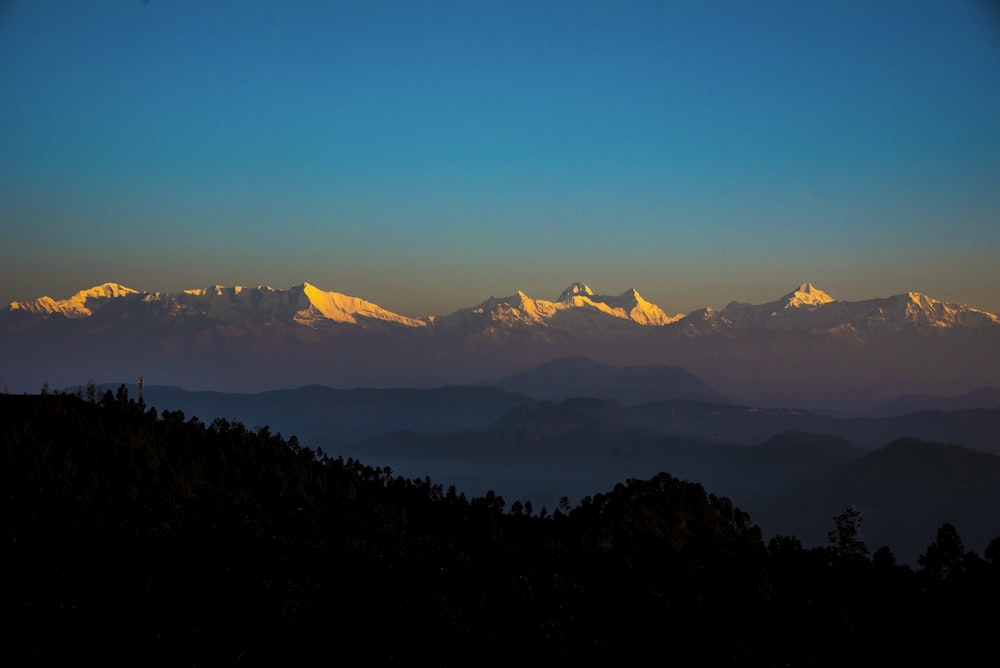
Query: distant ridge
[341, 416]
[568, 377]
[983, 397]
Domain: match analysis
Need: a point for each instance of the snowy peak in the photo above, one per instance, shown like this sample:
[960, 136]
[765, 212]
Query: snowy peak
[922, 311]
[104, 291]
[304, 304]
[574, 290]
[631, 306]
[80, 305]
[783, 313]
[578, 312]
[321, 306]
[518, 309]
[806, 296]
[627, 306]
[809, 309]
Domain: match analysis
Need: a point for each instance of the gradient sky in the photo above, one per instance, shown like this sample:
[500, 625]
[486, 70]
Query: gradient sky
[427, 155]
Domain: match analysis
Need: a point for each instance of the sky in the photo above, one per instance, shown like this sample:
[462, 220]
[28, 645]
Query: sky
[428, 155]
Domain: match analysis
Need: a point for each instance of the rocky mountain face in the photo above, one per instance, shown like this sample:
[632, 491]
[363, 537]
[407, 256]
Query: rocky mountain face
[803, 348]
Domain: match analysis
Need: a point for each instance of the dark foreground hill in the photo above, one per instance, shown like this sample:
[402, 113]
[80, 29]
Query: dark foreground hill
[132, 537]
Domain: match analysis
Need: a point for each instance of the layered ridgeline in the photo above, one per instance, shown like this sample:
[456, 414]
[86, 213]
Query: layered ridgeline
[805, 347]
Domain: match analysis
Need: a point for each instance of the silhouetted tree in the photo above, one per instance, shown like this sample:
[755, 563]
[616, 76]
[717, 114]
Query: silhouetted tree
[945, 556]
[884, 558]
[845, 538]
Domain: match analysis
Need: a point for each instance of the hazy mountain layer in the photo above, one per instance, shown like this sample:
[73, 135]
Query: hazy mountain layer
[568, 377]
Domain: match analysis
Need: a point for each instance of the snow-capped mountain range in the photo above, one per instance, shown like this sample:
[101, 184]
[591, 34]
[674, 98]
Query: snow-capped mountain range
[304, 304]
[256, 338]
[577, 310]
[809, 308]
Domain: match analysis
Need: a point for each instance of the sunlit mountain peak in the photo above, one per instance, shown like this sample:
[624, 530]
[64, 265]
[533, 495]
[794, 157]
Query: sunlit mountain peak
[574, 290]
[104, 291]
[338, 307]
[806, 295]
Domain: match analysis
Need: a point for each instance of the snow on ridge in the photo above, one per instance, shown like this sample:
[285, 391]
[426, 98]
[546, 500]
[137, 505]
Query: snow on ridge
[77, 306]
[921, 309]
[576, 300]
[338, 307]
[578, 310]
[106, 291]
[633, 307]
[810, 309]
[304, 304]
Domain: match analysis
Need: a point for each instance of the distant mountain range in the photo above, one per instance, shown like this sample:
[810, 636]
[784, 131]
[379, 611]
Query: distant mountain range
[805, 348]
[577, 310]
[983, 397]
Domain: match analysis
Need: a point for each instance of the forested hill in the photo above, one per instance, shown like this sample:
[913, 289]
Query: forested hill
[136, 537]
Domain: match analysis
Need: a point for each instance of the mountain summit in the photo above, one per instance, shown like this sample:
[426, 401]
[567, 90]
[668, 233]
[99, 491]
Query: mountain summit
[806, 295]
[338, 307]
[574, 290]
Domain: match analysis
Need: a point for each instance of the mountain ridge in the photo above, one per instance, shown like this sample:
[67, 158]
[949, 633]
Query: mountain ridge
[806, 307]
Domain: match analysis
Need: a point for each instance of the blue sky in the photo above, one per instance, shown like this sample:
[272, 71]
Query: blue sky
[427, 155]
